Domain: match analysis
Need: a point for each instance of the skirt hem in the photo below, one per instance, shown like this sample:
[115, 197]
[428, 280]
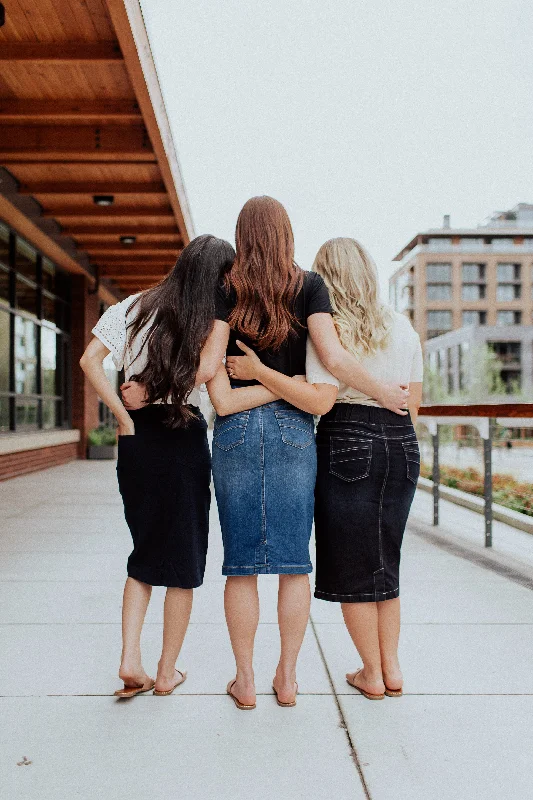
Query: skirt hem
[269, 569]
[362, 597]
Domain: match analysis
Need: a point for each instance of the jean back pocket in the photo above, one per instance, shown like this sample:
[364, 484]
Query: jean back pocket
[350, 458]
[229, 431]
[296, 427]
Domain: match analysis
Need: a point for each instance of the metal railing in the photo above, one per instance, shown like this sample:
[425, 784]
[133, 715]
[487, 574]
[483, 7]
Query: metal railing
[484, 419]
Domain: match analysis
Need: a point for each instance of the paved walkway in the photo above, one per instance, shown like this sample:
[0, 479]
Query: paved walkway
[463, 730]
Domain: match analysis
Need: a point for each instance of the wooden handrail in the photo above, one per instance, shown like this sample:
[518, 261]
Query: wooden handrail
[482, 410]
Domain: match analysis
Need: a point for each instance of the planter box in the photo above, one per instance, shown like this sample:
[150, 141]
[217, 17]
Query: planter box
[102, 451]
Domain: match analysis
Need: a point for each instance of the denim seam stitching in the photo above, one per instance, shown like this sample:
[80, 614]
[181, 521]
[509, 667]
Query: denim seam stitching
[353, 594]
[381, 505]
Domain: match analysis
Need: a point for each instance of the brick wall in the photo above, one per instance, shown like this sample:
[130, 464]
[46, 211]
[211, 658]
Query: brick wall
[13, 464]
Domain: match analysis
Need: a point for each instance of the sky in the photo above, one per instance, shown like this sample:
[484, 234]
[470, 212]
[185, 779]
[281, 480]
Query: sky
[365, 119]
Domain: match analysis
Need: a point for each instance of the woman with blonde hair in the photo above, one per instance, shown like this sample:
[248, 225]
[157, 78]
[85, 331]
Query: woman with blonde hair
[368, 457]
[368, 467]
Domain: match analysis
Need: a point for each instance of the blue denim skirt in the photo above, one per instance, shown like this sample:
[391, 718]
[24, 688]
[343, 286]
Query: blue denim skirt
[264, 471]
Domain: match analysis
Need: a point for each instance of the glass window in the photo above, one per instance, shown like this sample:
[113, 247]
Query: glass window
[503, 245]
[472, 244]
[439, 291]
[508, 272]
[5, 340]
[35, 362]
[26, 413]
[442, 244]
[49, 275]
[4, 244]
[25, 356]
[4, 286]
[26, 259]
[439, 322]
[4, 413]
[51, 414]
[473, 272]
[506, 292]
[49, 350]
[472, 291]
[474, 317]
[439, 273]
[27, 298]
[508, 318]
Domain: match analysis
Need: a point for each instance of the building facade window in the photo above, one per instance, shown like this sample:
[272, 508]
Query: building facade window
[509, 285]
[439, 281]
[508, 318]
[473, 281]
[34, 338]
[438, 322]
[462, 354]
[472, 244]
[510, 356]
[474, 318]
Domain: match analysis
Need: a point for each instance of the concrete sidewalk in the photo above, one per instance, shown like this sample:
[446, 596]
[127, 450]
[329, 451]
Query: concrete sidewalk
[463, 729]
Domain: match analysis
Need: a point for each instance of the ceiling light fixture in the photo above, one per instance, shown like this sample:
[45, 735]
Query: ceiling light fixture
[103, 199]
[128, 239]
[2, 14]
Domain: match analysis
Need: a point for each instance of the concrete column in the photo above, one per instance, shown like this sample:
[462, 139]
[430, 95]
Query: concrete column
[85, 313]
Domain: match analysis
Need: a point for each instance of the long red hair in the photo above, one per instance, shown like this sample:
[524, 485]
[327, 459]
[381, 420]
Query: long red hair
[264, 275]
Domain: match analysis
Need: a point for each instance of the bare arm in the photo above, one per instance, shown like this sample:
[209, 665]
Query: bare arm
[415, 400]
[230, 401]
[91, 363]
[347, 369]
[213, 351]
[315, 398]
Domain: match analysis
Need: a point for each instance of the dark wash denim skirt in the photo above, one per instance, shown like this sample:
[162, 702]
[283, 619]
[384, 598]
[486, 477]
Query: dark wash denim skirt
[368, 468]
[264, 471]
[164, 477]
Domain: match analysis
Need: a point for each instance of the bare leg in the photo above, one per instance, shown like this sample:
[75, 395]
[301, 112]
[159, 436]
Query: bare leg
[294, 600]
[362, 622]
[135, 602]
[178, 605]
[241, 604]
[389, 635]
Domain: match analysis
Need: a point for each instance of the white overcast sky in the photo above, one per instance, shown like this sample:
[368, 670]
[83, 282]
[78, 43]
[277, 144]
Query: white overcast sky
[366, 119]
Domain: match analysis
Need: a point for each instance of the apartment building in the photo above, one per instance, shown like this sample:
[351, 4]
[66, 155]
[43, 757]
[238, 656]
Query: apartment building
[449, 278]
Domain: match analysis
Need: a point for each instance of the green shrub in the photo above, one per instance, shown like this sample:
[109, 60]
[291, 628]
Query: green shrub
[102, 436]
[506, 490]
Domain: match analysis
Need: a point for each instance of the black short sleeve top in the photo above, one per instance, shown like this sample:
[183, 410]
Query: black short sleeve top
[313, 298]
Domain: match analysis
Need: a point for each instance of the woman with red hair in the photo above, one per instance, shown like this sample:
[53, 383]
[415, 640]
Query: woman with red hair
[264, 459]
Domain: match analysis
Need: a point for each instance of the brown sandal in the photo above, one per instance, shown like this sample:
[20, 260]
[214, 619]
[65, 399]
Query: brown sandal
[131, 691]
[286, 705]
[368, 695]
[241, 706]
[393, 692]
[169, 691]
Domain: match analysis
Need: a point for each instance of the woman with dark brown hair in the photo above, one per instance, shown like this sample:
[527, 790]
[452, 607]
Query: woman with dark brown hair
[264, 459]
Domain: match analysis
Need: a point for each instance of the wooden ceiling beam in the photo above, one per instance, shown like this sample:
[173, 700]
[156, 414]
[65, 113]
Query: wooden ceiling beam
[75, 143]
[61, 52]
[161, 260]
[54, 111]
[92, 188]
[138, 249]
[114, 213]
[120, 275]
[168, 229]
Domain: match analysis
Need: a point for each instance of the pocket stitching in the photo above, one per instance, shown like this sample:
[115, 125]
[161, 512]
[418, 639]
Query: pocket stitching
[333, 462]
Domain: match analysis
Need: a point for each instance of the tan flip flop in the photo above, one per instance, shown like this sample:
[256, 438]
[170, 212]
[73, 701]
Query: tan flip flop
[393, 692]
[368, 695]
[131, 691]
[169, 691]
[286, 705]
[241, 706]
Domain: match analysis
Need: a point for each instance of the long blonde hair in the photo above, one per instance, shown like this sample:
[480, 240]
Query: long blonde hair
[362, 321]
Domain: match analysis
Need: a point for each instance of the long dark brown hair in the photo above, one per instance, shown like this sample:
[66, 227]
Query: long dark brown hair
[179, 312]
[264, 275]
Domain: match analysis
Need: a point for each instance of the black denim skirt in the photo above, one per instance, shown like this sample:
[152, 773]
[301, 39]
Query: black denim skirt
[368, 468]
[164, 477]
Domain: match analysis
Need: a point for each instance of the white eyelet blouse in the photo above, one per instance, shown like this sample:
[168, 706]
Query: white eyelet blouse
[130, 356]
